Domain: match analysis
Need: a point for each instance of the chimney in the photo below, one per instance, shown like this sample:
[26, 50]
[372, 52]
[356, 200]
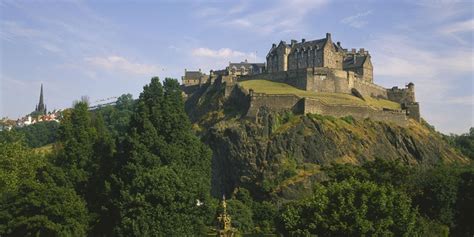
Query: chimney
[293, 42]
[199, 69]
[185, 70]
[362, 50]
[328, 36]
[245, 60]
[303, 40]
[274, 45]
[353, 50]
[338, 44]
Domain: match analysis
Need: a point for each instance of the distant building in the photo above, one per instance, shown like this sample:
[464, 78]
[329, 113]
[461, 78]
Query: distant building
[41, 107]
[192, 78]
[245, 68]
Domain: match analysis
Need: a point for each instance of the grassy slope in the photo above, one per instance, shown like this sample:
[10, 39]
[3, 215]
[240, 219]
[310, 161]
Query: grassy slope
[269, 87]
[44, 149]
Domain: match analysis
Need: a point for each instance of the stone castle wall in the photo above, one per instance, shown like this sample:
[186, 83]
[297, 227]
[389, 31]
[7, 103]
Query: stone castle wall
[359, 112]
[402, 95]
[322, 79]
[370, 89]
[298, 105]
[275, 103]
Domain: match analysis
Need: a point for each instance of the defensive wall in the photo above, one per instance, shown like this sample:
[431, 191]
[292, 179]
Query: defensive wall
[322, 79]
[314, 106]
[298, 105]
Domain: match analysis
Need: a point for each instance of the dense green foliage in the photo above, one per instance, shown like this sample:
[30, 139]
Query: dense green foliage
[38, 134]
[134, 169]
[117, 118]
[463, 142]
[137, 169]
[351, 208]
[164, 168]
[31, 203]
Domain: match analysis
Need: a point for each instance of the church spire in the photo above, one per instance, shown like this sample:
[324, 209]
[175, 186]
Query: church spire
[41, 107]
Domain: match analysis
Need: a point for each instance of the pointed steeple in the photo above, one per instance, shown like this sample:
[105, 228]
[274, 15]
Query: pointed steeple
[41, 107]
[41, 96]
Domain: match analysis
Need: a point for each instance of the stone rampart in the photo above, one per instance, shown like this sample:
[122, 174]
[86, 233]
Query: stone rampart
[273, 102]
[358, 112]
[370, 89]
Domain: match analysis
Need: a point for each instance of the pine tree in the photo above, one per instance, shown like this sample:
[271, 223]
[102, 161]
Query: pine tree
[164, 169]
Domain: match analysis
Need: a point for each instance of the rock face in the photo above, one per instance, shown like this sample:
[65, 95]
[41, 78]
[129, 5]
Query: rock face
[281, 150]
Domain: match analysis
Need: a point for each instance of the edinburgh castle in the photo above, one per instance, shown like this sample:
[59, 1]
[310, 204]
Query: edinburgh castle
[318, 66]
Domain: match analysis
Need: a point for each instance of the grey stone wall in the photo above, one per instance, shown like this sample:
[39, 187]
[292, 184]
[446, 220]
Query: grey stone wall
[413, 111]
[402, 95]
[370, 89]
[272, 102]
[359, 112]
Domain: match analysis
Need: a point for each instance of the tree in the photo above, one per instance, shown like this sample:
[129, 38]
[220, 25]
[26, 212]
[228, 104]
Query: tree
[77, 136]
[164, 169]
[117, 118]
[32, 205]
[42, 209]
[39, 134]
[465, 204]
[437, 192]
[86, 161]
[351, 208]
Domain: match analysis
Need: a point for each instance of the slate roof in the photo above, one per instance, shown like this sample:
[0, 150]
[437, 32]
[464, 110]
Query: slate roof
[359, 61]
[307, 44]
[319, 43]
[254, 66]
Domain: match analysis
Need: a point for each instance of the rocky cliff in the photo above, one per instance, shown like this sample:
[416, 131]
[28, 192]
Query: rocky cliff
[281, 153]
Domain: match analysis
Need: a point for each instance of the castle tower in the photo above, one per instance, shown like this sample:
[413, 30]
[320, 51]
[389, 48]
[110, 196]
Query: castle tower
[41, 107]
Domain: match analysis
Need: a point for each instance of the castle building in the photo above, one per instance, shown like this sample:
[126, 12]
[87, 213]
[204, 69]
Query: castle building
[324, 66]
[41, 107]
[319, 65]
[245, 68]
[319, 53]
[192, 78]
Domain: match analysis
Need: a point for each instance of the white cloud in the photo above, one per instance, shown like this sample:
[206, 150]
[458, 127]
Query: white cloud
[442, 76]
[223, 53]
[50, 47]
[454, 30]
[12, 30]
[207, 59]
[357, 21]
[117, 63]
[281, 16]
[402, 57]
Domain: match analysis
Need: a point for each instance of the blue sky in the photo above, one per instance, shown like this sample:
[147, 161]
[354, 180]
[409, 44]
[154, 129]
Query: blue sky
[107, 48]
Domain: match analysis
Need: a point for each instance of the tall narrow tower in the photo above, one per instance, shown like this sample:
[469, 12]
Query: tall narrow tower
[41, 107]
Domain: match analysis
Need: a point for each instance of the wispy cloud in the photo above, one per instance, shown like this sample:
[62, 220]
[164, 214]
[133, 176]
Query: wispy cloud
[121, 64]
[223, 53]
[207, 58]
[281, 16]
[403, 57]
[13, 30]
[454, 30]
[358, 20]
